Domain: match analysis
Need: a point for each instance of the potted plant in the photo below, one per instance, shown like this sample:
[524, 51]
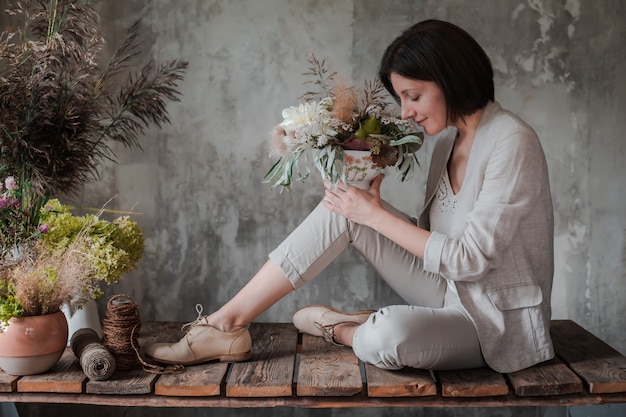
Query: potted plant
[64, 264]
[347, 134]
[62, 107]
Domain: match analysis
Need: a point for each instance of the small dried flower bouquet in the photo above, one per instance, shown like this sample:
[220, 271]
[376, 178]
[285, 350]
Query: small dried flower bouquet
[66, 261]
[334, 118]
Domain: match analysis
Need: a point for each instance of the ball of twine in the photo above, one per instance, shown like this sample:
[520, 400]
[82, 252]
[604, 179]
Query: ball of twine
[97, 362]
[120, 327]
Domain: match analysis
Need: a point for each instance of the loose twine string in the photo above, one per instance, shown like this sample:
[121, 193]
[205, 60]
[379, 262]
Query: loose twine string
[120, 327]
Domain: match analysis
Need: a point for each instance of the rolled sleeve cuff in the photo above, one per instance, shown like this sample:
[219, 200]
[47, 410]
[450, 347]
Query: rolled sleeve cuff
[433, 251]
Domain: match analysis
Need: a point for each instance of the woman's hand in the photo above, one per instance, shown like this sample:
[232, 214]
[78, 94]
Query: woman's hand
[360, 206]
[365, 207]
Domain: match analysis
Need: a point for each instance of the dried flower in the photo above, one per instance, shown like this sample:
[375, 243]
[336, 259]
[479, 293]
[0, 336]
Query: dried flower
[59, 110]
[73, 256]
[345, 105]
[334, 118]
[278, 141]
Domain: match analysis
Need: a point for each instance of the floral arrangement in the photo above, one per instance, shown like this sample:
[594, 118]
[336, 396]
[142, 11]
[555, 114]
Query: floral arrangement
[333, 118]
[67, 263]
[62, 107]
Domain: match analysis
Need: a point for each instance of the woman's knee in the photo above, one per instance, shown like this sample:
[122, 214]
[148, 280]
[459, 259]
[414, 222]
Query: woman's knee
[418, 337]
[382, 339]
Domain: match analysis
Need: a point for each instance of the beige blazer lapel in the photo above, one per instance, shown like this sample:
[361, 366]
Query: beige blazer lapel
[439, 159]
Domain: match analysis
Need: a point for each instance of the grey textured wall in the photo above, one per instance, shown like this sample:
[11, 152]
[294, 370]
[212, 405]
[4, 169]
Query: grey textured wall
[209, 222]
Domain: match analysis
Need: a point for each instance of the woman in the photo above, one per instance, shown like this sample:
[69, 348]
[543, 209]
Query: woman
[475, 268]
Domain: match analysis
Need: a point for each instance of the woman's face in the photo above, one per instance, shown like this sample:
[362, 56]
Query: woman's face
[422, 101]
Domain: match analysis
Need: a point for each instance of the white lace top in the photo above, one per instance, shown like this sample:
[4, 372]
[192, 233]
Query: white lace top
[442, 219]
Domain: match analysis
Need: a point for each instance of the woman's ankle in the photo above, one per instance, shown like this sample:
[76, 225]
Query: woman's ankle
[225, 324]
[343, 333]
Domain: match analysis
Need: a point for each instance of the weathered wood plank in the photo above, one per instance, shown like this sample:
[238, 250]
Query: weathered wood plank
[552, 377]
[477, 382]
[193, 381]
[270, 371]
[65, 377]
[8, 383]
[134, 381]
[327, 369]
[402, 383]
[601, 367]
[355, 402]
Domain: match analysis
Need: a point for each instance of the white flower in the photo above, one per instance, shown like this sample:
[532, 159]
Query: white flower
[294, 117]
[322, 141]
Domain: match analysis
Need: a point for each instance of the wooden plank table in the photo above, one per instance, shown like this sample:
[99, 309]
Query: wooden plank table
[288, 369]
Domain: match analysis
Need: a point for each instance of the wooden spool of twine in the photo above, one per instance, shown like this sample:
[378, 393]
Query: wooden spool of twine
[97, 362]
[120, 327]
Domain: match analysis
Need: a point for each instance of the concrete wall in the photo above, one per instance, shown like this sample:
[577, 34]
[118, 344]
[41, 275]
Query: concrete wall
[209, 222]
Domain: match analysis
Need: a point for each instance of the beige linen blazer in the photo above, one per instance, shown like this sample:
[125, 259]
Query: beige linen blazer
[500, 254]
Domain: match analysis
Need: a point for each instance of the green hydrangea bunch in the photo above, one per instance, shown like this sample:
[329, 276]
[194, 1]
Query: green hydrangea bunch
[113, 248]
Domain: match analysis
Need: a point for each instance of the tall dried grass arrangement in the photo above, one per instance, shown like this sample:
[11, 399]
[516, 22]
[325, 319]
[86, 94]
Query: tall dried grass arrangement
[61, 108]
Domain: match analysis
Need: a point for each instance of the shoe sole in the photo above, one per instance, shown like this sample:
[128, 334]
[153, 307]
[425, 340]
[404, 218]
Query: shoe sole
[237, 357]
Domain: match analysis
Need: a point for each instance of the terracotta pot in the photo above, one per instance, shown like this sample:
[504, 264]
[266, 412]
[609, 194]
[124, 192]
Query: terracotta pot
[32, 345]
[360, 170]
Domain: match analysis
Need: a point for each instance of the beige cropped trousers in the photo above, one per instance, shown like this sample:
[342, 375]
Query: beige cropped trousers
[425, 333]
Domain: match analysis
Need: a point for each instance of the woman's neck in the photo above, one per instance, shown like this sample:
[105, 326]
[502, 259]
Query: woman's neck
[457, 163]
[468, 125]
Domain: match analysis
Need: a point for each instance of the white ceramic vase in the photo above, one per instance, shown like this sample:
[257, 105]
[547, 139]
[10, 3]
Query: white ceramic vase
[86, 316]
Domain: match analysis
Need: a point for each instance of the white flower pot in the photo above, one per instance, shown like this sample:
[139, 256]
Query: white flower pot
[86, 316]
[360, 170]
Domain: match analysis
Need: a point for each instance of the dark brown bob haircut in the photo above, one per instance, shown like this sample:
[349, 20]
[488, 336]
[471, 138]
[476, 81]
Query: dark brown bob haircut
[447, 55]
